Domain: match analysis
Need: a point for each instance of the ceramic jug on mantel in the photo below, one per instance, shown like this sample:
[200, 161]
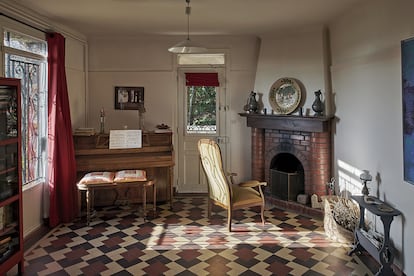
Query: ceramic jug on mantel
[252, 104]
[317, 105]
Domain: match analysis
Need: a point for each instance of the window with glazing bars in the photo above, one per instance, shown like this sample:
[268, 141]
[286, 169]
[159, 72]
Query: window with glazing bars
[26, 59]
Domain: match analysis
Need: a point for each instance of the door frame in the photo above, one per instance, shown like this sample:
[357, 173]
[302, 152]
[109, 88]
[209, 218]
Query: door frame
[222, 108]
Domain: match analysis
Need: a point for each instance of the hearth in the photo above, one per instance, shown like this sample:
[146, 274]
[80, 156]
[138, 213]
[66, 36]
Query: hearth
[292, 154]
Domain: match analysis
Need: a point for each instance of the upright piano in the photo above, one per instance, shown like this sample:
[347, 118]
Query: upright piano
[156, 157]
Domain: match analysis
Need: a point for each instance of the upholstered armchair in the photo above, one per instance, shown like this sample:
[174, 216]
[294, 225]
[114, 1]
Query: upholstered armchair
[221, 190]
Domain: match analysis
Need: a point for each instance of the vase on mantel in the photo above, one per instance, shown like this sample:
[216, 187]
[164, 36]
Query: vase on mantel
[317, 105]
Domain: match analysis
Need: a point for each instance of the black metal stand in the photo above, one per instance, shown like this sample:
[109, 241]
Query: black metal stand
[383, 253]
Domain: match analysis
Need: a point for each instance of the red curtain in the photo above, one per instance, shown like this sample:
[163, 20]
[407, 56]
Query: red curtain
[201, 79]
[61, 154]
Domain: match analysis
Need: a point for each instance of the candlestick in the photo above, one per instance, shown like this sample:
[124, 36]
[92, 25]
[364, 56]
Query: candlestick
[102, 121]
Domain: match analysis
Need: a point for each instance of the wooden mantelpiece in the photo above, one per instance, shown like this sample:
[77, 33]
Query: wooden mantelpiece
[288, 122]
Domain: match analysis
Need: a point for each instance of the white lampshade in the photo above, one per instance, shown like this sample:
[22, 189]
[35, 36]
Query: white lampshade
[187, 47]
[365, 176]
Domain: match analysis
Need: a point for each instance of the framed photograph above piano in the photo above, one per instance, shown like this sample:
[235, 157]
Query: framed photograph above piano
[129, 98]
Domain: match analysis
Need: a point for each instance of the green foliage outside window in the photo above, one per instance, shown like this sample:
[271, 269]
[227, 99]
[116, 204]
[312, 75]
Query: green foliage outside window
[201, 107]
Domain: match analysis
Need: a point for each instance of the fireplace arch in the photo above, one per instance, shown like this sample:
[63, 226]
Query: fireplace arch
[310, 148]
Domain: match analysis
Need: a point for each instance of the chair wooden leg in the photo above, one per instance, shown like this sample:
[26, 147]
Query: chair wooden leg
[154, 199]
[79, 203]
[229, 218]
[262, 214]
[209, 207]
[144, 201]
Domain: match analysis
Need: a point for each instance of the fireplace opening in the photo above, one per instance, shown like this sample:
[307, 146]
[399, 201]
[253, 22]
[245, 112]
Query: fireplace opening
[287, 178]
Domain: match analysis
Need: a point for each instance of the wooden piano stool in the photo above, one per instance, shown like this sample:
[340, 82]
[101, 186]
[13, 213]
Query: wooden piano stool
[91, 187]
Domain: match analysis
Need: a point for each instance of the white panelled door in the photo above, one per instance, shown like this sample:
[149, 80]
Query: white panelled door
[202, 114]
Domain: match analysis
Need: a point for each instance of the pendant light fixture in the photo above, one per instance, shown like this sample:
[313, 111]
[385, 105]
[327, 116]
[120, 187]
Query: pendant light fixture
[187, 46]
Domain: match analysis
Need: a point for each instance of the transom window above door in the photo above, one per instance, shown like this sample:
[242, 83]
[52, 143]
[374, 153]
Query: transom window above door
[201, 59]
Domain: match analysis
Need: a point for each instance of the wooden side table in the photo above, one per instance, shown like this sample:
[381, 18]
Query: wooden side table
[383, 253]
[90, 189]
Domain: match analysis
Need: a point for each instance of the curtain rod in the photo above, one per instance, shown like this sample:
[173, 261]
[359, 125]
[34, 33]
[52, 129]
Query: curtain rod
[24, 23]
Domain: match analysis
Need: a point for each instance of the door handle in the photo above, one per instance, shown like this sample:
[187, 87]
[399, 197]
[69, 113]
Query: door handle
[221, 139]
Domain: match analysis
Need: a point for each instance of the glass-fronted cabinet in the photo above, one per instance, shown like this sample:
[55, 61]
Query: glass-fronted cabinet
[11, 222]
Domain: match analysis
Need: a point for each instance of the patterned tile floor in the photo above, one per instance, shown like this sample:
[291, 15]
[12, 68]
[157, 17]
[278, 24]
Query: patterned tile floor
[183, 241]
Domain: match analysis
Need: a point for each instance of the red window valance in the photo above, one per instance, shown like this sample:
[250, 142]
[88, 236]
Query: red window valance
[201, 79]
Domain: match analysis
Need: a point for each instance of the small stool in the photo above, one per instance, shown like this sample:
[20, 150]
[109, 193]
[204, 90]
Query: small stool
[91, 187]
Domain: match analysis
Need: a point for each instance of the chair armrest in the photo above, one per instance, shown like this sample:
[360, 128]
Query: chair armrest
[231, 176]
[252, 183]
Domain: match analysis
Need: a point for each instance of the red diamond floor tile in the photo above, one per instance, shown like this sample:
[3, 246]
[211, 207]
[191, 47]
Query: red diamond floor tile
[183, 241]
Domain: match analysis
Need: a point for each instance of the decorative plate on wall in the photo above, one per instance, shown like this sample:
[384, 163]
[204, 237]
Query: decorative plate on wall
[285, 95]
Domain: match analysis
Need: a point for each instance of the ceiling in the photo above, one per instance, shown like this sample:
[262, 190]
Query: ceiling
[208, 17]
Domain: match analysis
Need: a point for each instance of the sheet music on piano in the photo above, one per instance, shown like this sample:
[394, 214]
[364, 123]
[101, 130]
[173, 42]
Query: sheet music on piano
[125, 139]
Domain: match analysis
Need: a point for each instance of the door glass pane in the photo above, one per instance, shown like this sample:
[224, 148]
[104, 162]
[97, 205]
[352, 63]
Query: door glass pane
[201, 110]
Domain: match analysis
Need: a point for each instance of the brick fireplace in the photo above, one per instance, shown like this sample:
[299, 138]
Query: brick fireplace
[294, 148]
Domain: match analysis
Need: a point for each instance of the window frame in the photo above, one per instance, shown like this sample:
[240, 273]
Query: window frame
[7, 25]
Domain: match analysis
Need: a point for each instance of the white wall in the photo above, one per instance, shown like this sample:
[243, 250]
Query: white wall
[366, 81]
[76, 75]
[127, 61]
[299, 55]
[145, 61]
[32, 213]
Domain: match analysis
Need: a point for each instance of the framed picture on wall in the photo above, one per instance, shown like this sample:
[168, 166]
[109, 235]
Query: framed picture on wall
[129, 98]
[407, 70]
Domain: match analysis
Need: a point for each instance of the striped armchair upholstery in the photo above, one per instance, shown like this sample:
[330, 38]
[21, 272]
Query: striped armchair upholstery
[223, 192]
